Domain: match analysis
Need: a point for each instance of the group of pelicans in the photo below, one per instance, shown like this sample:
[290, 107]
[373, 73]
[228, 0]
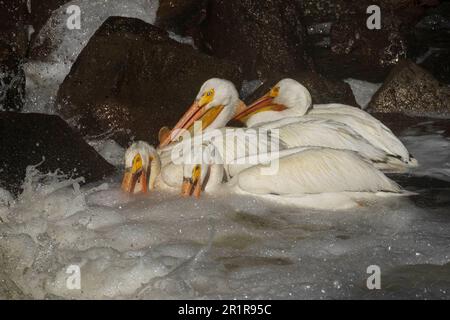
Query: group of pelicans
[324, 149]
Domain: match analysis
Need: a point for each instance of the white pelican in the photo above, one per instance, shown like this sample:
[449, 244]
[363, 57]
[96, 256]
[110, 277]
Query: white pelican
[141, 160]
[290, 103]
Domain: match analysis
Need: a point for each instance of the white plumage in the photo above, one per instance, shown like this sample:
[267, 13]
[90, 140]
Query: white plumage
[317, 170]
[307, 131]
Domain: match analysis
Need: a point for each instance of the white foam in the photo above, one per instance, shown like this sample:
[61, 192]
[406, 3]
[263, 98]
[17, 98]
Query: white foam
[183, 40]
[363, 91]
[110, 150]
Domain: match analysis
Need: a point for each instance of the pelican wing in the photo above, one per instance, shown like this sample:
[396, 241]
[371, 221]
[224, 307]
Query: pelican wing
[317, 170]
[364, 124]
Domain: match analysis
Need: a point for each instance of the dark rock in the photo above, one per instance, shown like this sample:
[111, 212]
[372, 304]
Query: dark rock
[438, 64]
[181, 16]
[412, 90]
[322, 90]
[132, 79]
[14, 20]
[343, 46]
[433, 30]
[28, 139]
[262, 36]
[12, 80]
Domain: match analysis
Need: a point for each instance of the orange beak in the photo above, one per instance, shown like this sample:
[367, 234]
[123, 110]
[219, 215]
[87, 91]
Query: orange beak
[265, 103]
[194, 113]
[190, 188]
[131, 180]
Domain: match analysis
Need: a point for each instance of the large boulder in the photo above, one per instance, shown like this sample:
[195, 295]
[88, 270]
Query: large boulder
[322, 90]
[132, 79]
[262, 36]
[412, 90]
[30, 139]
[55, 47]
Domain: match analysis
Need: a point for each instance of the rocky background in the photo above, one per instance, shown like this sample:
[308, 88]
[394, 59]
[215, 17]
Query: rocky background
[134, 77]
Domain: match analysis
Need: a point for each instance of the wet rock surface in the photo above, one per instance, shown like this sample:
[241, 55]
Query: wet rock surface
[411, 90]
[132, 79]
[31, 139]
[262, 36]
[322, 90]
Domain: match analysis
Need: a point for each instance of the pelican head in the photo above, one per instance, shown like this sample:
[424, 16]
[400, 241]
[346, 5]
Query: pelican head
[287, 95]
[203, 170]
[215, 105]
[142, 166]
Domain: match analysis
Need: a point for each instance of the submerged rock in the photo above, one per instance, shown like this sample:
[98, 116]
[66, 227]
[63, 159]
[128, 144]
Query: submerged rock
[322, 90]
[411, 90]
[30, 139]
[262, 36]
[132, 79]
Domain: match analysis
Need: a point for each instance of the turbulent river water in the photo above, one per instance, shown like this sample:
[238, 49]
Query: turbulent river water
[227, 246]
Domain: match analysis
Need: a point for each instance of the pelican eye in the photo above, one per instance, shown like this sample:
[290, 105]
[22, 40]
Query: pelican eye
[137, 164]
[207, 97]
[274, 92]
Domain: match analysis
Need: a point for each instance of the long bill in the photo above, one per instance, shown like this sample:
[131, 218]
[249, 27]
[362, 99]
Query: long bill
[194, 113]
[132, 179]
[265, 103]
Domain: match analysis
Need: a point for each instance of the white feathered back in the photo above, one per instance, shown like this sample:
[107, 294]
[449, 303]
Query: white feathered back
[317, 170]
